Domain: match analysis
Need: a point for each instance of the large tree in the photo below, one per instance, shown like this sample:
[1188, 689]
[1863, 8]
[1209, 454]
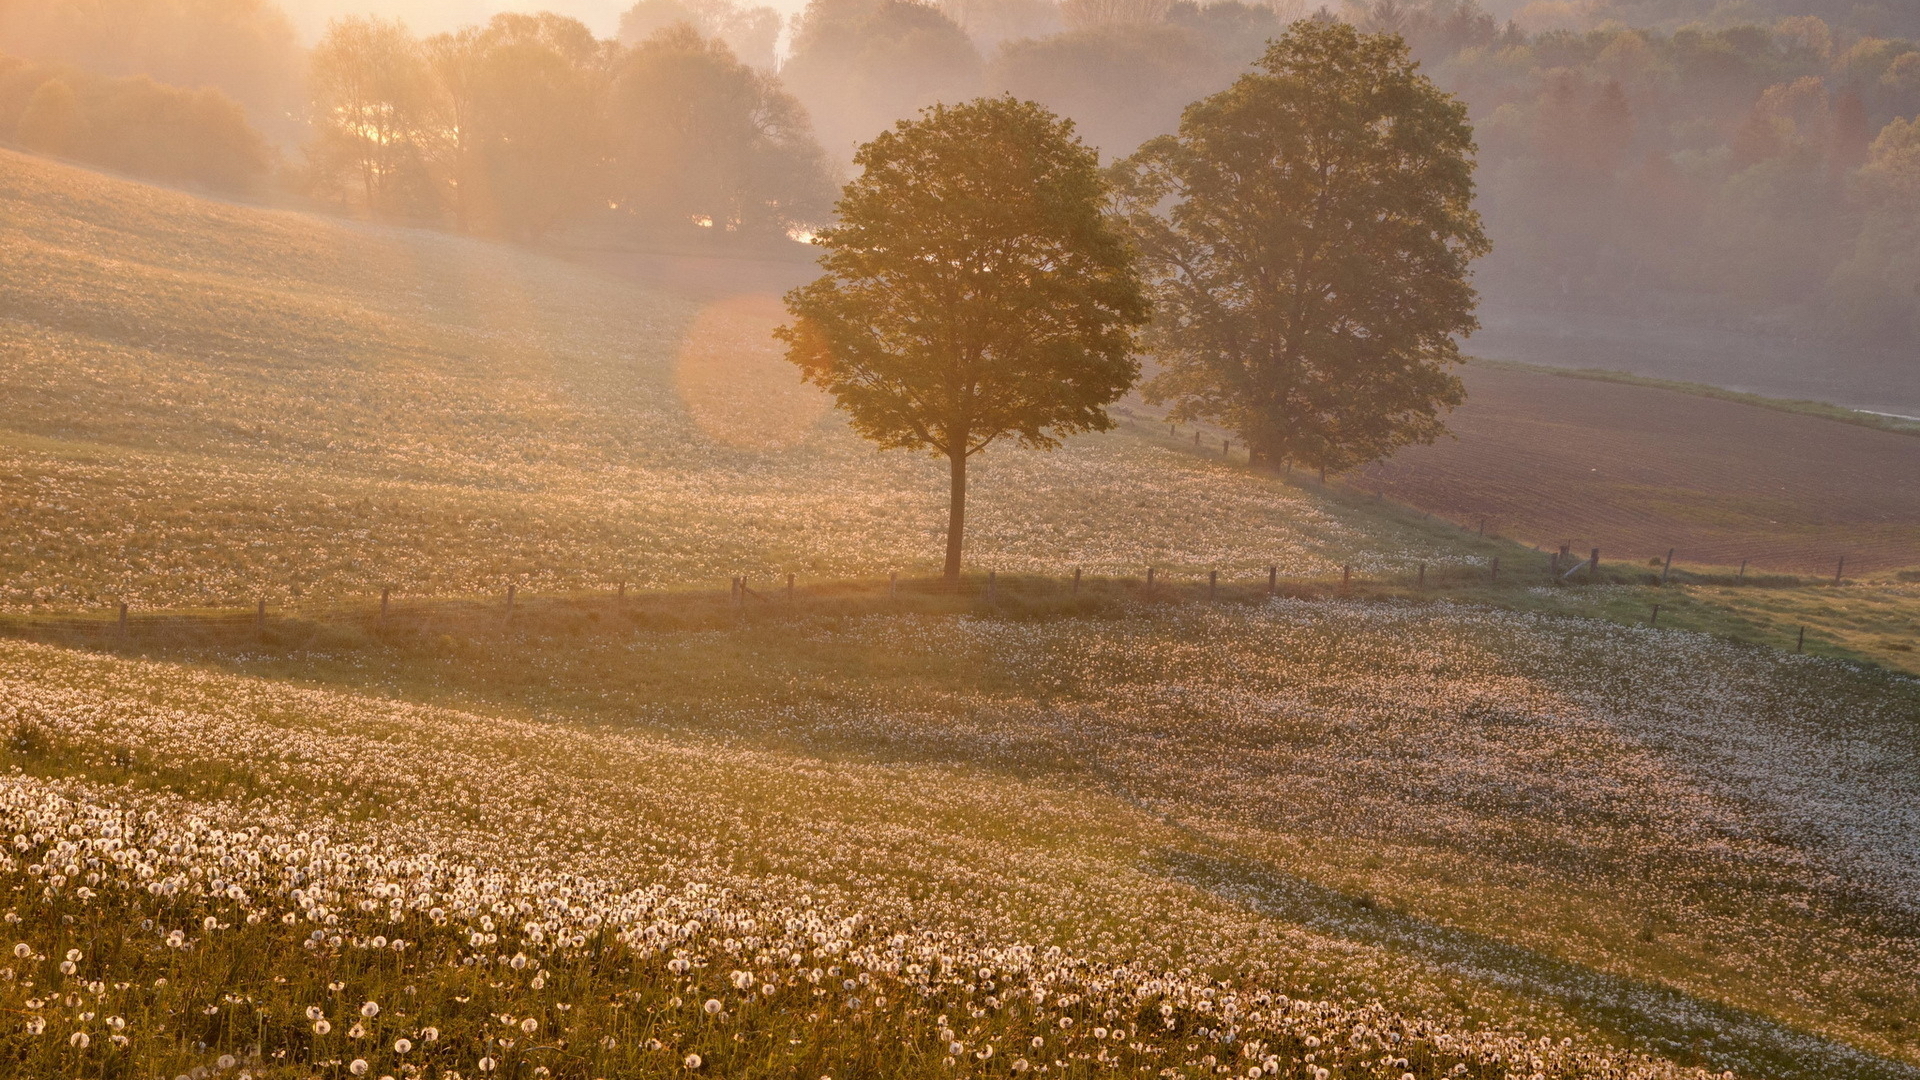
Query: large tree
[974, 290]
[1308, 233]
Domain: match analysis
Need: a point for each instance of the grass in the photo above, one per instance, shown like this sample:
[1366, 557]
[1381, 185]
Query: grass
[1138, 773]
[1376, 828]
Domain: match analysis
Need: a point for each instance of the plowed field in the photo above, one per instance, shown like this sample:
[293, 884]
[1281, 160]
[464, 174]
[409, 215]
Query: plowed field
[1636, 470]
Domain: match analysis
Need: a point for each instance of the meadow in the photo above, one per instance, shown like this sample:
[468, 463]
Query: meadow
[239, 404]
[1485, 826]
[1412, 820]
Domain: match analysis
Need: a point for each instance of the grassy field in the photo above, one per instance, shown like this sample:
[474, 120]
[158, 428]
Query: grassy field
[1486, 826]
[236, 404]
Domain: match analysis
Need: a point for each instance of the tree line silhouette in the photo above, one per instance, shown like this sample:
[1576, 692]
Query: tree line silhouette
[1680, 156]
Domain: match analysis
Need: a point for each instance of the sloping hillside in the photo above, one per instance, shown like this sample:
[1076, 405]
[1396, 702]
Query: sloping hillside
[209, 403]
[846, 835]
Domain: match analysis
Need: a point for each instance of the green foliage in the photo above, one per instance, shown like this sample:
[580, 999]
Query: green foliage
[1311, 267]
[974, 290]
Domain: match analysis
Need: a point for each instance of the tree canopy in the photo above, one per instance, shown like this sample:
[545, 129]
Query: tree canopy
[975, 290]
[1307, 234]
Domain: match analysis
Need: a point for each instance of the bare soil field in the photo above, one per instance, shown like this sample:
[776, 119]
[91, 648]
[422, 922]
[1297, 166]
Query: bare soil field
[1636, 470]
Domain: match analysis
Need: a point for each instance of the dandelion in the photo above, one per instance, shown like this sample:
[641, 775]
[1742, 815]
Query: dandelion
[713, 1007]
[321, 1027]
[529, 1025]
[226, 1061]
[402, 1045]
[359, 1067]
[430, 1034]
[73, 954]
[79, 1039]
[370, 1010]
[486, 1064]
[691, 1061]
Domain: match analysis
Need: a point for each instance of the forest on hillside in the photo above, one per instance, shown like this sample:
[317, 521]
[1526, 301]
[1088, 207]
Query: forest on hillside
[1752, 161]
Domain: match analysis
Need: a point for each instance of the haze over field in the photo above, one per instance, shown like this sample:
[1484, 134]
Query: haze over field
[960, 540]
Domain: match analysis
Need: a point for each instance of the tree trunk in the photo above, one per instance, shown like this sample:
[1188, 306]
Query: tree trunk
[956, 511]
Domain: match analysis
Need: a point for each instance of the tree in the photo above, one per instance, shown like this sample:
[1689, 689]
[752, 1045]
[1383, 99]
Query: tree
[974, 291]
[52, 122]
[1877, 290]
[374, 108]
[753, 33]
[246, 48]
[534, 89]
[1307, 235]
[860, 65]
[700, 136]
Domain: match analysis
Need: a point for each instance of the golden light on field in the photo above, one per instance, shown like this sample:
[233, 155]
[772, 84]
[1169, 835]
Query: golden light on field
[732, 377]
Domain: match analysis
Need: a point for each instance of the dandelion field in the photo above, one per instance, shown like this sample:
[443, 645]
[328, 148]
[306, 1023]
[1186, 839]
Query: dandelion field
[1374, 833]
[1334, 803]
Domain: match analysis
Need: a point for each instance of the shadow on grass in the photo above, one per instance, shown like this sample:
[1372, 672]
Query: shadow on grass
[1658, 1018]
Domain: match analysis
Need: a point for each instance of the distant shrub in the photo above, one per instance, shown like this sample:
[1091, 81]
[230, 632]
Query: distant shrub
[134, 125]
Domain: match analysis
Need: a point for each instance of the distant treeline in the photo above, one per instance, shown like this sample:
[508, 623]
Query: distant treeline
[530, 123]
[1754, 162]
[132, 125]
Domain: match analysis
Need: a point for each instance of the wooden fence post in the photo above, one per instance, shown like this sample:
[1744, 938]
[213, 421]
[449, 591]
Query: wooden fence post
[1668, 568]
[1076, 581]
[1346, 576]
[1149, 577]
[510, 591]
[123, 618]
[1593, 564]
[623, 592]
[1654, 620]
[1838, 570]
[1742, 575]
[893, 584]
[260, 616]
[1483, 528]
[385, 592]
[1273, 579]
[1213, 583]
[789, 586]
[1802, 642]
[1494, 575]
[989, 585]
[1422, 582]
